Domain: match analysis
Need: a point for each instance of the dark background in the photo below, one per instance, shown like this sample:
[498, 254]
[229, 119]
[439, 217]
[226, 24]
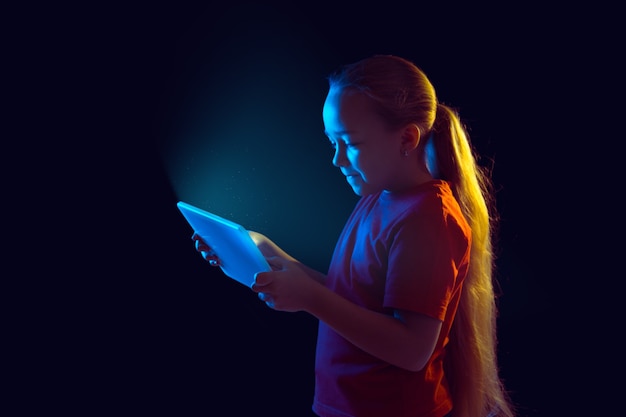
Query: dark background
[123, 111]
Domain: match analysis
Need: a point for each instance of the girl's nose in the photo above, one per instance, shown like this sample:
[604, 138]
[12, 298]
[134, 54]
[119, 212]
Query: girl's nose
[340, 159]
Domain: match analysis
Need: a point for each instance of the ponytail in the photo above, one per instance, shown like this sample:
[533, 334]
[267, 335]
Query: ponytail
[471, 361]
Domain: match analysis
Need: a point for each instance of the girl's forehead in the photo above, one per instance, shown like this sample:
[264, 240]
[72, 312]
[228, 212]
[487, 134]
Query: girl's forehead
[345, 106]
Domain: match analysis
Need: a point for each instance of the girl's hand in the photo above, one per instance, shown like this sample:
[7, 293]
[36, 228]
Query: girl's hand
[205, 250]
[287, 287]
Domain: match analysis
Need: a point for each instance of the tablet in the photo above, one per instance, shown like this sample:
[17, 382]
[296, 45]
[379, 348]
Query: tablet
[240, 259]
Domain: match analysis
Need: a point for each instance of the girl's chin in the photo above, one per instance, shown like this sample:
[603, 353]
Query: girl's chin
[360, 188]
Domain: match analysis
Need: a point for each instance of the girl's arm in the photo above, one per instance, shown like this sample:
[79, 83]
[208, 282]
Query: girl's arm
[406, 339]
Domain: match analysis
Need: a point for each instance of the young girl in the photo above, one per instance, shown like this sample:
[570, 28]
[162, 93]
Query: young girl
[407, 310]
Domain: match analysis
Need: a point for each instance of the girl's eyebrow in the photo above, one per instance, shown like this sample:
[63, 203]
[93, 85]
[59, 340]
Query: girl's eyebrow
[341, 132]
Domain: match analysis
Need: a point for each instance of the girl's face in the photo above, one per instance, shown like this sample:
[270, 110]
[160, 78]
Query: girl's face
[368, 153]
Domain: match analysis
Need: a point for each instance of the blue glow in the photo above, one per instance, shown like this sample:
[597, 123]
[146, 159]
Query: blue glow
[248, 145]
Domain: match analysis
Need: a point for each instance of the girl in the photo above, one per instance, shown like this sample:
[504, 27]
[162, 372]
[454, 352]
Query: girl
[407, 309]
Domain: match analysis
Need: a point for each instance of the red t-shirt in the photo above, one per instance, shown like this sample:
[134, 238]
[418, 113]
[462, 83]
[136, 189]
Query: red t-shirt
[406, 251]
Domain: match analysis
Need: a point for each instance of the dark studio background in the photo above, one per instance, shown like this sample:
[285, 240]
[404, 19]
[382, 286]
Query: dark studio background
[220, 106]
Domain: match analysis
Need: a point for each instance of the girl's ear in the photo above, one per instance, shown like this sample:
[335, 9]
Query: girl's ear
[410, 138]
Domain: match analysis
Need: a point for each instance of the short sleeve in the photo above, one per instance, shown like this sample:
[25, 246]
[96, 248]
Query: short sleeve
[424, 260]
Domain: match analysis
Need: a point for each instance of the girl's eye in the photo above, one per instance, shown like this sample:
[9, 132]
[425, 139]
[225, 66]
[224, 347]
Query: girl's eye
[333, 145]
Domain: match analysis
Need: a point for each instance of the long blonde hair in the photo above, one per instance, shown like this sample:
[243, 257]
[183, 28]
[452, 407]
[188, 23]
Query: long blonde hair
[404, 95]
